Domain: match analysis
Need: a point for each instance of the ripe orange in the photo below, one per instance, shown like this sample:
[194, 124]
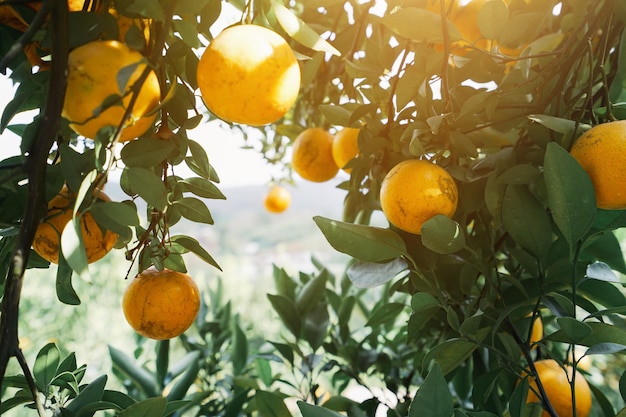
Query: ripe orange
[536, 333]
[161, 304]
[277, 199]
[414, 191]
[47, 240]
[345, 146]
[249, 74]
[464, 15]
[94, 71]
[601, 151]
[312, 155]
[558, 390]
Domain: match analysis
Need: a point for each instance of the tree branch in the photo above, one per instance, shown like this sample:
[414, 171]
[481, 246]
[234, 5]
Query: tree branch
[35, 168]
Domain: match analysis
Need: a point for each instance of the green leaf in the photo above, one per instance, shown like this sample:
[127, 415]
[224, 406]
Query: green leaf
[90, 394]
[202, 188]
[337, 114]
[518, 398]
[64, 289]
[20, 397]
[73, 248]
[564, 126]
[601, 400]
[271, 405]
[433, 398]
[526, 220]
[443, 235]
[114, 215]
[239, 352]
[316, 324]
[146, 184]
[573, 329]
[190, 6]
[187, 379]
[571, 194]
[194, 246]
[139, 376]
[199, 160]
[311, 293]
[605, 349]
[150, 407]
[430, 28]
[600, 333]
[493, 19]
[146, 152]
[604, 247]
[300, 31]
[188, 32]
[285, 350]
[66, 380]
[287, 311]
[365, 243]
[193, 209]
[385, 313]
[310, 410]
[452, 353]
[370, 274]
[422, 301]
[162, 361]
[601, 272]
[519, 174]
[46, 365]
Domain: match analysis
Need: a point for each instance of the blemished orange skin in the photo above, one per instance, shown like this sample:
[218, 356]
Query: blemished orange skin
[161, 304]
[558, 390]
[414, 191]
[249, 74]
[93, 70]
[345, 146]
[277, 199]
[47, 240]
[312, 155]
[601, 151]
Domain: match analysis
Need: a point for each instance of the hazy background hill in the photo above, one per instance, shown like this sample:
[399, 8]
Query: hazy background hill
[247, 241]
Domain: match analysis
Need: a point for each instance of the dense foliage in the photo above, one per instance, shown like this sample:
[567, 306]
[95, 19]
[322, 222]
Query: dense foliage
[496, 96]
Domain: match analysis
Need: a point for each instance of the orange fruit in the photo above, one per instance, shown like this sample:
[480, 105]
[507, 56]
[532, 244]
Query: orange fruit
[345, 146]
[94, 72]
[558, 390]
[312, 155]
[414, 191]
[601, 151]
[161, 304]
[124, 23]
[47, 240]
[277, 199]
[464, 15]
[536, 333]
[248, 74]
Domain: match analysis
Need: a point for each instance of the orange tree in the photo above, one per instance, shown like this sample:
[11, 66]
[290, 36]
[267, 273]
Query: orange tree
[493, 92]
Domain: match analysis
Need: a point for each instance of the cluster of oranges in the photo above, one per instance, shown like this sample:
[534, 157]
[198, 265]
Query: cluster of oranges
[111, 85]
[317, 156]
[258, 66]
